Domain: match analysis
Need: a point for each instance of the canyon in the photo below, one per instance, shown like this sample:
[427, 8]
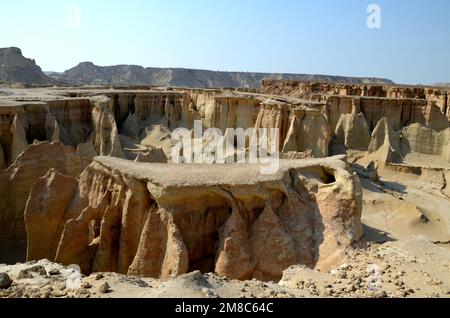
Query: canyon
[86, 178]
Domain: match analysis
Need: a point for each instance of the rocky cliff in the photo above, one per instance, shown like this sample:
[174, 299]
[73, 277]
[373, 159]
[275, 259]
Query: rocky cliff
[15, 68]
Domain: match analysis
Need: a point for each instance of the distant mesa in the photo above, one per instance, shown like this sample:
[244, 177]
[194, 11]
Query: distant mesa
[17, 69]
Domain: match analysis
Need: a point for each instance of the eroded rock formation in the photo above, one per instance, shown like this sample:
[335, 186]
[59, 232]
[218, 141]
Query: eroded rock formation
[161, 220]
[19, 178]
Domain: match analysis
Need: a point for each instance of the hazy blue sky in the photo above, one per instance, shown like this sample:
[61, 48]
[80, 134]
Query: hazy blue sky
[295, 36]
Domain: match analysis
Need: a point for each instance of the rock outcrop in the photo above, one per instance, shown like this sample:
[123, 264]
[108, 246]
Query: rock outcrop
[106, 137]
[352, 131]
[19, 139]
[424, 140]
[15, 68]
[19, 178]
[161, 220]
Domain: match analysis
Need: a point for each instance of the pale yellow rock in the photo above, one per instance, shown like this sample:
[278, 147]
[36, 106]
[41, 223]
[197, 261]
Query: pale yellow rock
[424, 140]
[106, 140]
[352, 130]
[17, 181]
[87, 150]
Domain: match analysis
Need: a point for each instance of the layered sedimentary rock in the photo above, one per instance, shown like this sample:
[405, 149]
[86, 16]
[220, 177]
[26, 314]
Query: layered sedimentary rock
[161, 220]
[87, 73]
[401, 112]
[424, 140]
[437, 95]
[18, 179]
[106, 137]
[352, 130]
[395, 124]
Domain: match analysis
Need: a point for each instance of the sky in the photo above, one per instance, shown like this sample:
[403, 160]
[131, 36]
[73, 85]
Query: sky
[411, 45]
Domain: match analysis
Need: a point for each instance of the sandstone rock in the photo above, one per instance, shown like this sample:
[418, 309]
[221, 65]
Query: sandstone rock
[352, 130]
[308, 131]
[52, 128]
[19, 139]
[17, 181]
[131, 127]
[383, 133]
[424, 140]
[106, 133]
[164, 220]
[49, 198]
[104, 288]
[87, 150]
[384, 147]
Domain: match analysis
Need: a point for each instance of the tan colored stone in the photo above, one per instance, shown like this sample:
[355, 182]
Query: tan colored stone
[162, 220]
[19, 139]
[46, 214]
[352, 130]
[106, 140]
[20, 177]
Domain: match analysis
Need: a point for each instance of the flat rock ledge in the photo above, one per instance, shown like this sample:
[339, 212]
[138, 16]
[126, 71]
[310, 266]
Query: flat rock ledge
[165, 220]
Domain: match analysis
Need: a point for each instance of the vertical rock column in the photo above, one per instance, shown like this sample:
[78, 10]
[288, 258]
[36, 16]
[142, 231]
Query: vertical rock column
[19, 139]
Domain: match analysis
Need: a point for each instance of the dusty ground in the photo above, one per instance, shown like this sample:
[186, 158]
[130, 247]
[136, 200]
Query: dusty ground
[413, 267]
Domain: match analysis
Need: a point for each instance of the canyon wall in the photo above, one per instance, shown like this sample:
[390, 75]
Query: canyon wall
[419, 115]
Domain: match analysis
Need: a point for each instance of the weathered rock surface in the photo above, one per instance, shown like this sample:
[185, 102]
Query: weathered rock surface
[204, 218]
[18, 179]
[352, 130]
[424, 140]
[19, 139]
[106, 140]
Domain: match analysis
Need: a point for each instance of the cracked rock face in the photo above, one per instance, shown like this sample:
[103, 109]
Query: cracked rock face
[163, 220]
[17, 181]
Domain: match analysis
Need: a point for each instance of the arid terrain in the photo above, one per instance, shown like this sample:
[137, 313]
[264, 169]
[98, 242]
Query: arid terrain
[359, 207]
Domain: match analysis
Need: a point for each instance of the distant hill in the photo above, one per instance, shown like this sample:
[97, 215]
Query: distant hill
[442, 84]
[89, 74]
[15, 68]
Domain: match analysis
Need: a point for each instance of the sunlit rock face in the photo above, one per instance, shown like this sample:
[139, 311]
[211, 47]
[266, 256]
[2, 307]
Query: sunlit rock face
[159, 220]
